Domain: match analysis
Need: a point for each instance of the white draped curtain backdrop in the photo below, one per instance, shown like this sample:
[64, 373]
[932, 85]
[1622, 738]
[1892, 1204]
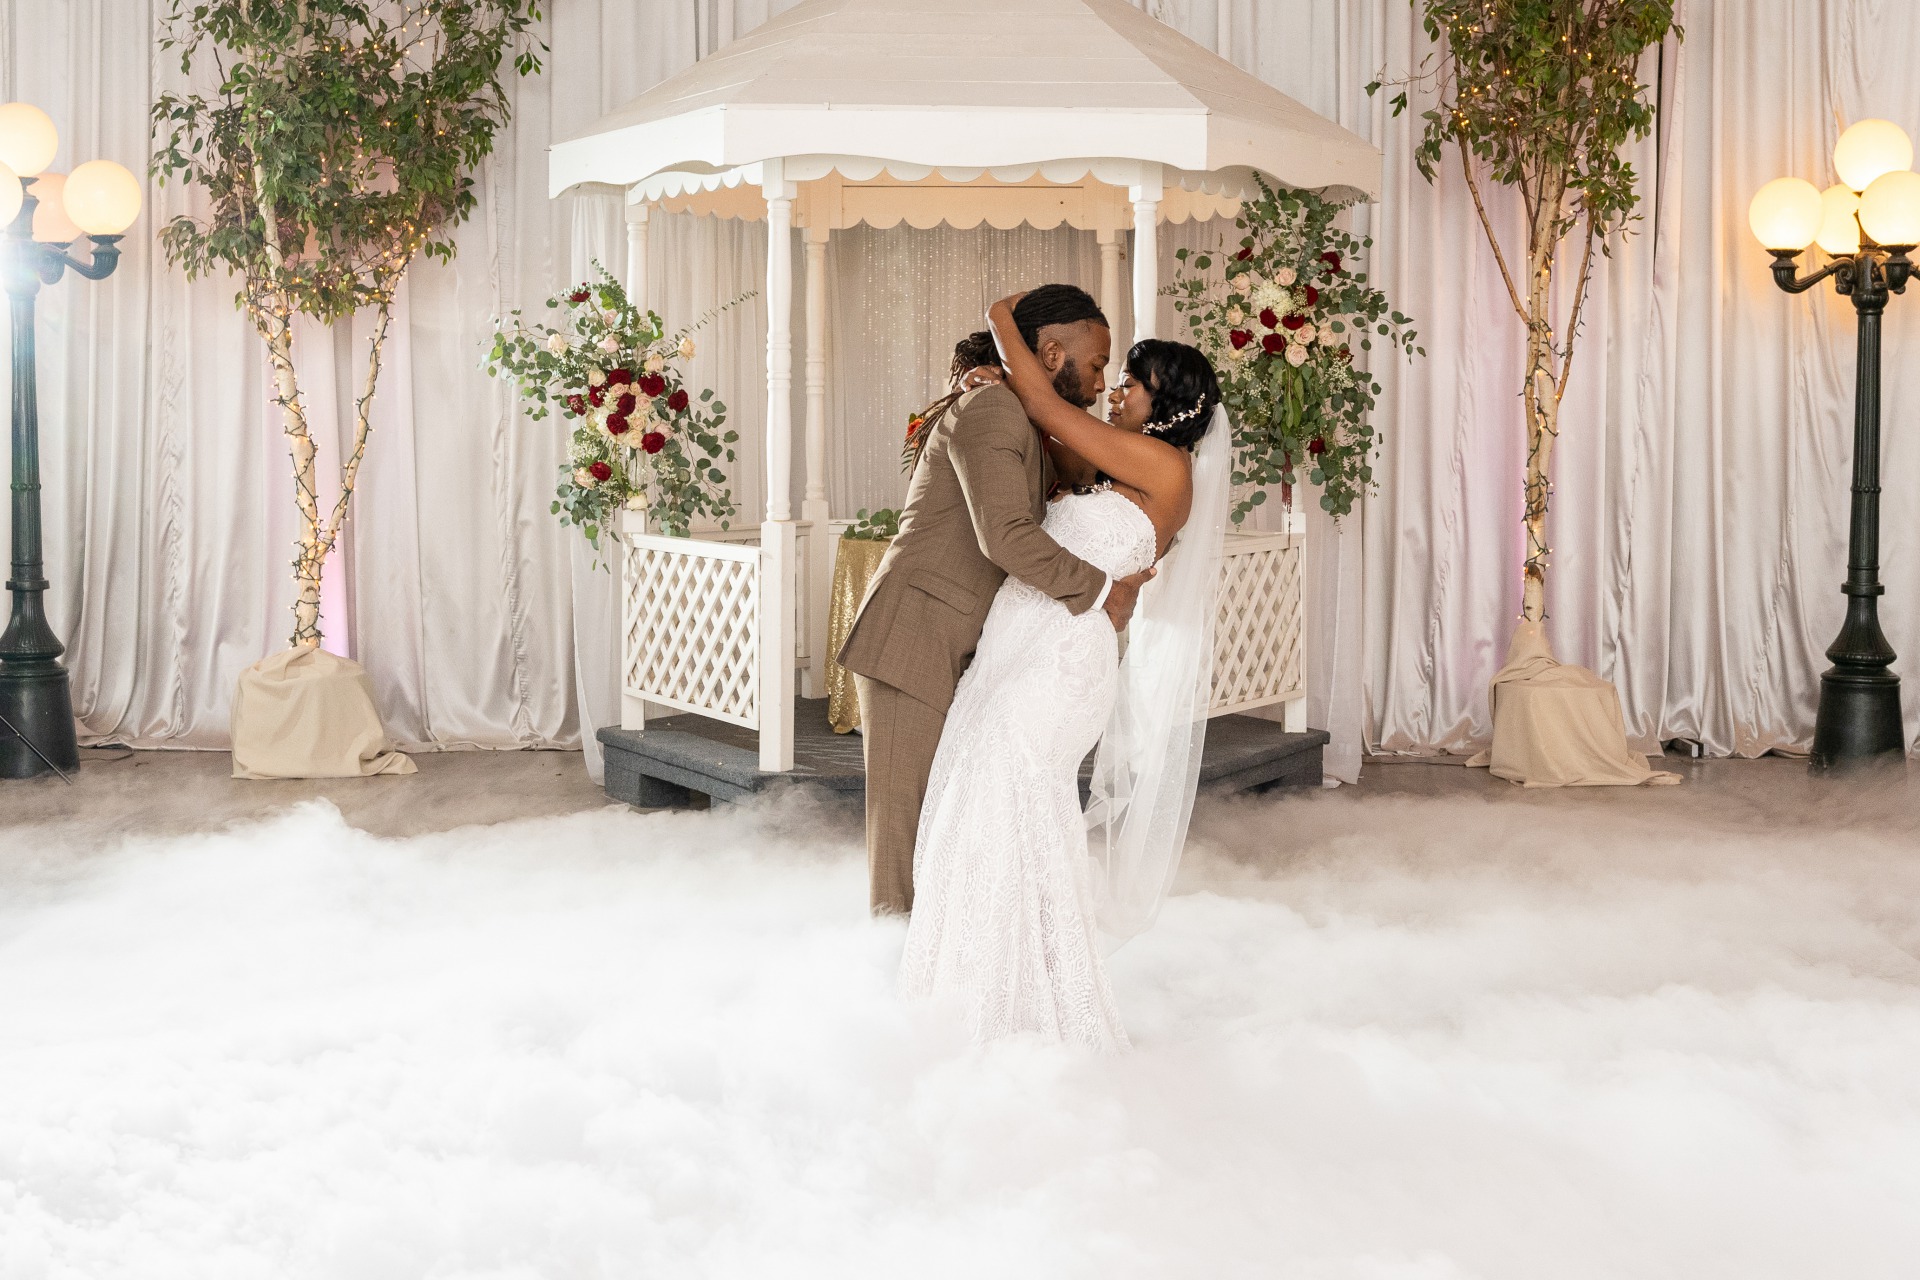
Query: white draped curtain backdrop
[1700, 513]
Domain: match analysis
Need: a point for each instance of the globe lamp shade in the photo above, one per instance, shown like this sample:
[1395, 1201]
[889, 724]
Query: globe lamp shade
[1839, 231]
[51, 225]
[1785, 214]
[1869, 149]
[11, 196]
[28, 139]
[1890, 209]
[103, 199]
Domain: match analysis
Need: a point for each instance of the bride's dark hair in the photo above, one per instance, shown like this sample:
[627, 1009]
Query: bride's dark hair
[1183, 387]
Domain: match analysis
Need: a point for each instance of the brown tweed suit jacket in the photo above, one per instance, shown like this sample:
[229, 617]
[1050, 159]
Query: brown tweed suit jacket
[972, 517]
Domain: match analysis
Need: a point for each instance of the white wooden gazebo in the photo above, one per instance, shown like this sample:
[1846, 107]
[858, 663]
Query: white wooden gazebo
[1086, 113]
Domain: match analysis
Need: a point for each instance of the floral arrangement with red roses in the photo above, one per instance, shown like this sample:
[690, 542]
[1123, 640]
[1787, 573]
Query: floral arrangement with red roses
[1280, 316]
[639, 438]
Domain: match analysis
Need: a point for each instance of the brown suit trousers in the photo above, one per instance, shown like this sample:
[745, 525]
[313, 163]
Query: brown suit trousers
[900, 733]
[972, 518]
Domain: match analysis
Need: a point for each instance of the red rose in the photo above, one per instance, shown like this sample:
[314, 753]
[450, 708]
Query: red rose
[620, 377]
[677, 401]
[1239, 338]
[1294, 321]
[1269, 319]
[617, 424]
[1346, 355]
[1244, 254]
[578, 405]
[600, 471]
[578, 295]
[1274, 344]
[653, 442]
[596, 396]
[1313, 296]
[1316, 446]
[625, 404]
[1332, 260]
[653, 384]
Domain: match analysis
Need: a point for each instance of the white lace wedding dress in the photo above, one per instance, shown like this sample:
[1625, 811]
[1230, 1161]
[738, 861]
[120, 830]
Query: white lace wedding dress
[1003, 916]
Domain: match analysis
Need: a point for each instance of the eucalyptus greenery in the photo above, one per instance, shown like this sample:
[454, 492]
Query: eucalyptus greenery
[874, 526]
[1541, 96]
[335, 145]
[1280, 317]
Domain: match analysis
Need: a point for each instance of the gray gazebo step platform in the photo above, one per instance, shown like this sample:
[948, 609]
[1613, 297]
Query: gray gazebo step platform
[681, 755]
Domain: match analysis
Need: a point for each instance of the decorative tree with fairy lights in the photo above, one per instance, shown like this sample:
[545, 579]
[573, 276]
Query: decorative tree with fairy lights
[1541, 96]
[334, 149]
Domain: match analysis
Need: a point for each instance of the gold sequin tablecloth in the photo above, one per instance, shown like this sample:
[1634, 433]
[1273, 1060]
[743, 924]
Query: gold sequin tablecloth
[854, 565]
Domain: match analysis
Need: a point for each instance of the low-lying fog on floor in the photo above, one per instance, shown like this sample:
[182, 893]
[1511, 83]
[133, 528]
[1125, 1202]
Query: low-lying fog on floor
[1405, 1038]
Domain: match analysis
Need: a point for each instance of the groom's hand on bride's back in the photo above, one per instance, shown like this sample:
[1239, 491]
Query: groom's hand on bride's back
[1124, 595]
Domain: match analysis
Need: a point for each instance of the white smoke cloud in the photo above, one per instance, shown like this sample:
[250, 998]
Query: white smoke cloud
[1386, 1040]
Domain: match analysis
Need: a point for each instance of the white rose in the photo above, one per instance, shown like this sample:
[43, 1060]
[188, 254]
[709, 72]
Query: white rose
[1296, 354]
[596, 378]
[1285, 277]
[1236, 316]
[557, 344]
[610, 317]
[584, 478]
[686, 348]
[609, 344]
[655, 363]
[637, 502]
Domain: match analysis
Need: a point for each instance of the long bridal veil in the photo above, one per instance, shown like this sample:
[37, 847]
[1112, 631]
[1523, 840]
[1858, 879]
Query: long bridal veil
[1147, 768]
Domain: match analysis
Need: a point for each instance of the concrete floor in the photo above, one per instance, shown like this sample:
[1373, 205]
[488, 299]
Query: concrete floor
[176, 792]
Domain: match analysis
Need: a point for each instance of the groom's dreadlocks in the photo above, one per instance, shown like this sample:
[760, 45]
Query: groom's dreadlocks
[1054, 304]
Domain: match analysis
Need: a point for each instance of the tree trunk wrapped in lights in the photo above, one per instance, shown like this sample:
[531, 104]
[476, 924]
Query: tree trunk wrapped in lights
[1541, 96]
[337, 147]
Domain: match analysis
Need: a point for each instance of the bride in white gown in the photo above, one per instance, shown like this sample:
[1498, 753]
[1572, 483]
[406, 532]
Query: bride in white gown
[1011, 894]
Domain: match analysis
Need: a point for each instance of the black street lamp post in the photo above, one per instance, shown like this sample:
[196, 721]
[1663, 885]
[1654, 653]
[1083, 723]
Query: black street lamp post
[36, 700]
[98, 201]
[1859, 716]
[1867, 223]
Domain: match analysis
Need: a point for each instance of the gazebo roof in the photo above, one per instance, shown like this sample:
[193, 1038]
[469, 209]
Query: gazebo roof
[967, 84]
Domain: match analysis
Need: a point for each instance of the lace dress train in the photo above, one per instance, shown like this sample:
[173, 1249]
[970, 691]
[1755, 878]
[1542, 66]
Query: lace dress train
[1003, 915]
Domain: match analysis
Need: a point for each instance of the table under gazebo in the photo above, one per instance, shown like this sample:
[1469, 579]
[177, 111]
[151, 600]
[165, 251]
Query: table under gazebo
[1046, 113]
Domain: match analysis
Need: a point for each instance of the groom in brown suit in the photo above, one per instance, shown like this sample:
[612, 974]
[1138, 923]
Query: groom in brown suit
[972, 518]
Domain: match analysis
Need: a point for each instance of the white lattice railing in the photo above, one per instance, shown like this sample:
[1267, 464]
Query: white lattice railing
[691, 626]
[1257, 657]
[697, 611]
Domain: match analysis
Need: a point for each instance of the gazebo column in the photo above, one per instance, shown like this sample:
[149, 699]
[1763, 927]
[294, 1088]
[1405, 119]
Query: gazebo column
[1146, 195]
[815, 510]
[1110, 295]
[637, 255]
[636, 711]
[778, 534]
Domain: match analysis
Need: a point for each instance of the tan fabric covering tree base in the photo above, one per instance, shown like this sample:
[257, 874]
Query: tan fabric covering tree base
[307, 713]
[1556, 725]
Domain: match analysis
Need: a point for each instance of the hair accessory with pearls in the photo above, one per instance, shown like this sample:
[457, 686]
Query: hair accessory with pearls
[1161, 428]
